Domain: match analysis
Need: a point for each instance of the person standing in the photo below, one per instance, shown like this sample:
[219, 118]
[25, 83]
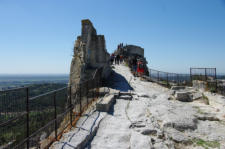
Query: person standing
[134, 64]
[121, 59]
[118, 59]
[140, 68]
[111, 59]
[114, 58]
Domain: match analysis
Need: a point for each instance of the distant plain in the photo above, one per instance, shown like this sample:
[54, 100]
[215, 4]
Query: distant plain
[13, 81]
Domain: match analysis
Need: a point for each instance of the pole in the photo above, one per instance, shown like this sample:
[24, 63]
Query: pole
[71, 110]
[191, 76]
[158, 76]
[205, 75]
[167, 79]
[150, 73]
[216, 80]
[94, 88]
[87, 93]
[55, 115]
[80, 101]
[27, 110]
[99, 84]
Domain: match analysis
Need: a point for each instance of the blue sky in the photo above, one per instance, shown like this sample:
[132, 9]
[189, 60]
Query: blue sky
[38, 36]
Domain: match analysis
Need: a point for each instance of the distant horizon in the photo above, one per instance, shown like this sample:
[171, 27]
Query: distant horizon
[57, 74]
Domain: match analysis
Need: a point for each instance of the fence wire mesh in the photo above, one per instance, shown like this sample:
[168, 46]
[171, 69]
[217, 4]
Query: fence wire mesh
[168, 79]
[27, 122]
[12, 117]
[205, 74]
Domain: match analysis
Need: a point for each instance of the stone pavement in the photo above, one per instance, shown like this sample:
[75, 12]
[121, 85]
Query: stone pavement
[152, 120]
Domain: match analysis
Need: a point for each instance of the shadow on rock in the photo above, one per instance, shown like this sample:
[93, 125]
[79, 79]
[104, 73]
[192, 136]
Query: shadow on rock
[118, 82]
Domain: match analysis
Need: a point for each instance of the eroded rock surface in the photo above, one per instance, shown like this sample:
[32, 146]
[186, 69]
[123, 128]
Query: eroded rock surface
[89, 54]
[163, 123]
[150, 120]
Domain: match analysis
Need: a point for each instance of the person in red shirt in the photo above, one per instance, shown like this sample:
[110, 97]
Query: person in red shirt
[140, 68]
[121, 59]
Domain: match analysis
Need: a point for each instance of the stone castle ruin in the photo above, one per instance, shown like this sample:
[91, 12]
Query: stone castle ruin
[89, 54]
[129, 52]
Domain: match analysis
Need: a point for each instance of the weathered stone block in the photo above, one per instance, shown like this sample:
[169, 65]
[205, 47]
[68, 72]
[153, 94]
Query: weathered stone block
[149, 132]
[200, 85]
[197, 95]
[183, 96]
[175, 88]
[105, 104]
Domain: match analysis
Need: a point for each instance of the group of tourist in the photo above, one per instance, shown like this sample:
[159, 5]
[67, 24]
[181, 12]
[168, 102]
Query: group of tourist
[117, 59]
[137, 66]
[135, 63]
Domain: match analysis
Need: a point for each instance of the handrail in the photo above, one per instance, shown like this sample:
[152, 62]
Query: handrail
[202, 68]
[13, 119]
[48, 93]
[13, 89]
[70, 102]
[168, 72]
[95, 73]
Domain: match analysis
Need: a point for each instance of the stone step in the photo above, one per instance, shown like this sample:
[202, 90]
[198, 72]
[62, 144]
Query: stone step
[125, 97]
[175, 88]
[125, 93]
[105, 104]
[183, 96]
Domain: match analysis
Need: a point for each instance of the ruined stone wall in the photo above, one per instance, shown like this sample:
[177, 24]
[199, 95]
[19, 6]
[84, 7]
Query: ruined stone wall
[132, 49]
[89, 53]
[130, 52]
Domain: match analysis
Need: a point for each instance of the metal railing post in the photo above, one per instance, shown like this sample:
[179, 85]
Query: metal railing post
[205, 74]
[80, 99]
[158, 76]
[167, 79]
[104, 90]
[98, 85]
[216, 81]
[27, 110]
[87, 93]
[55, 115]
[150, 74]
[178, 81]
[191, 75]
[93, 90]
[70, 100]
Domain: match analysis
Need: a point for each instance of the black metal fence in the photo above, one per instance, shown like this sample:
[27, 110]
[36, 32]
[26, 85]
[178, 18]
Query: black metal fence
[207, 75]
[27, 122]
[168, 79]
[221, 89]
[203, 74]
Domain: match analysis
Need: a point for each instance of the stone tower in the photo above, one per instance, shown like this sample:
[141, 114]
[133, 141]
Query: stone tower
[89, 53]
